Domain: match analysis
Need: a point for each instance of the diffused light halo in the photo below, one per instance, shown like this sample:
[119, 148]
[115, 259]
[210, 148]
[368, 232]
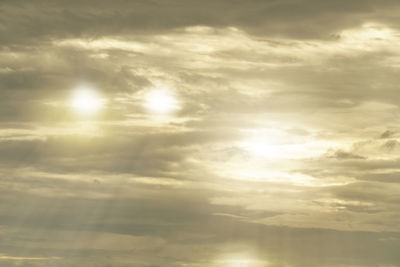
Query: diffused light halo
[160, 101]
[86, 101]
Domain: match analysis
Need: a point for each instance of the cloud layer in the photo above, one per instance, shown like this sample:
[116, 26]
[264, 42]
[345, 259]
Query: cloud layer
[281, 150]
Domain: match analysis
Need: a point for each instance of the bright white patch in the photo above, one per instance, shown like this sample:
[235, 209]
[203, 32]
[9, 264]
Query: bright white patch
[86, 101]
[160, 101]
[279, 144]
[240, 260]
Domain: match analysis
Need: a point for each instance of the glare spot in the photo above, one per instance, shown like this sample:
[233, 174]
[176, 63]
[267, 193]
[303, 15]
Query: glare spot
[86, 101]
[279, 144]
[161, 101]
[240, 260]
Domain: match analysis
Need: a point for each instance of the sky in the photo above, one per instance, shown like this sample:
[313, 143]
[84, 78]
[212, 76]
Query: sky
[216, 133]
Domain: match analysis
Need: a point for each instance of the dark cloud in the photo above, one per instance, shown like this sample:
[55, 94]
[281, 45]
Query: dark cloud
[143, 153]
[302, 19]
[387, 134]
[345, 155]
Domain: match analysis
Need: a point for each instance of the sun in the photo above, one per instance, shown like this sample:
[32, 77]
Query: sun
[86, 101]
[160, 101]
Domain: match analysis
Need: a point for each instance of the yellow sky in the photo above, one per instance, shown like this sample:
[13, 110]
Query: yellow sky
[212, 133]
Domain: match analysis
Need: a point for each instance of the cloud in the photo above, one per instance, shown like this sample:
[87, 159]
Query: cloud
[345, 155]
[284, 151]
[297, 19]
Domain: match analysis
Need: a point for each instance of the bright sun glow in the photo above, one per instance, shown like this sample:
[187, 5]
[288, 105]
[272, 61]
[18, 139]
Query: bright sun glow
[86, 101]
[279, 144]
[240, 261]
[160, 101]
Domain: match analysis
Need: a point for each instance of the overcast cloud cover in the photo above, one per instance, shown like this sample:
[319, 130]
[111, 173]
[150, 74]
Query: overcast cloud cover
[282, 148]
